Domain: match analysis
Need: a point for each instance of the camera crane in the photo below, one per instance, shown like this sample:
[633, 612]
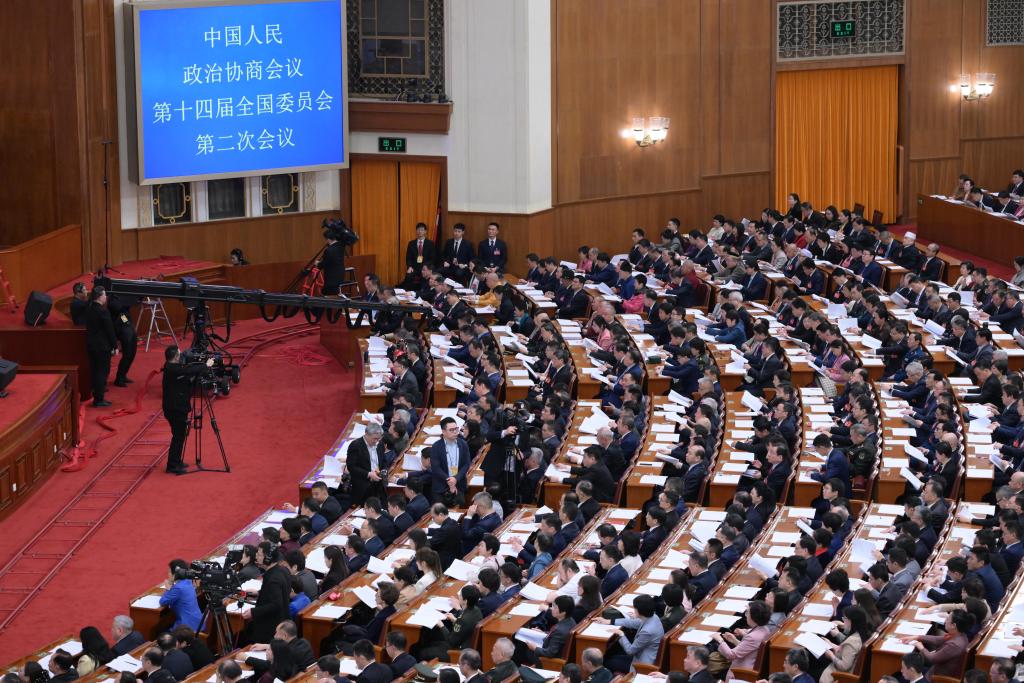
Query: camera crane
[196, 296]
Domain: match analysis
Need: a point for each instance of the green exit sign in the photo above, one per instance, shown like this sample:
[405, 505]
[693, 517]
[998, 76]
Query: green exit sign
[391, 145]
[844, 29]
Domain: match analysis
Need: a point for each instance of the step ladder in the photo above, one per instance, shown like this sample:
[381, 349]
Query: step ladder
[158, 320]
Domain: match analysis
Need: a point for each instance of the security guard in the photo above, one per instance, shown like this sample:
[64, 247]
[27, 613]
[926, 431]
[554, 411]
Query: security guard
[177, 402]
[100, 343]
[120, 313]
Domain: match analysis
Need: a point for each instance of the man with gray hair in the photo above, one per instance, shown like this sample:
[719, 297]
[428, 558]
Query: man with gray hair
[366, 466]
[613, 456]
[915, 392]
[592, 667]
[501, 655]
[696, 664]
[123, 636]
[469, 666]
[480, 519]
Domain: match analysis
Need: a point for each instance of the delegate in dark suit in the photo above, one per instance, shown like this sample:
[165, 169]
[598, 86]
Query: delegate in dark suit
[440, 469]
[375, 673]
[446, 541]
[416, 254]
[493, 253]
[359, 467]
[128, 643]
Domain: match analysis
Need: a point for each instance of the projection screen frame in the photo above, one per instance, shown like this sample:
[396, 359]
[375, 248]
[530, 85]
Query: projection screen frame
[133, 100]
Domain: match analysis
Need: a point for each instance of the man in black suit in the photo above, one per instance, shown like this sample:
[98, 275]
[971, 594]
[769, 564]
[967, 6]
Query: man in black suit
[124, 330]
[401, 661]
[576, 305]
[366, 466]
[372, 670]
[910, 257]
[449, 464]
[469, 666]
[80, 305]
[176, 400]
[655, 534]
[533, 473]
[271, 603]
[504, 667]
[299, 650]
[124, 637]
[931, 267]
[596, 472]
[446, 538]
[456, 254]
[418, 252]
[1006, 204]
[100, 343]
[1016, 186]
[404, 380]
[493, 252]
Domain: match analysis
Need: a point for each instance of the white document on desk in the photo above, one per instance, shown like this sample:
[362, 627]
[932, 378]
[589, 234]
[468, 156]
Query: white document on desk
[816, 645]
[367, 595]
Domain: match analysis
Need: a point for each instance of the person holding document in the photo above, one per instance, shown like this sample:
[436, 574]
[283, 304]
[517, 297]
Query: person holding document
[456, 628]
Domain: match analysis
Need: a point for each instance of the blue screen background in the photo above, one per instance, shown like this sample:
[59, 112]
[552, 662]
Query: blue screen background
[204, 102]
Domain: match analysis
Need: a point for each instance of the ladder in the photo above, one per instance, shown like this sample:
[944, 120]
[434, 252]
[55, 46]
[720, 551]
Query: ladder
[158, 321]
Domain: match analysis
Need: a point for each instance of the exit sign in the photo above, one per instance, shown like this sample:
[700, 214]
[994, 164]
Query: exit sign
[391, 145]
[844, 29]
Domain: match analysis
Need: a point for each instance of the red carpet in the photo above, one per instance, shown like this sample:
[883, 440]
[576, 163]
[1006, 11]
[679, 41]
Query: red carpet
[275, 425]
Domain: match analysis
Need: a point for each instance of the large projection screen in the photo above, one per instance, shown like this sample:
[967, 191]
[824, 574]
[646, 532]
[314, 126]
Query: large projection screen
[231, 88]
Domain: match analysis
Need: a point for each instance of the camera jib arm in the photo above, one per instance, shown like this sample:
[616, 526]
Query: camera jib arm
[194, 294]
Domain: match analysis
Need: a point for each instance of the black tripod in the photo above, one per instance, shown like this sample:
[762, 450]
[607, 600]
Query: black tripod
[217, 614]
[202, 404]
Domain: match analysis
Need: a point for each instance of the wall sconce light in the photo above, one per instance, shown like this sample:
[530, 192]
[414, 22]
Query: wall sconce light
[984, 84]
[654, 131]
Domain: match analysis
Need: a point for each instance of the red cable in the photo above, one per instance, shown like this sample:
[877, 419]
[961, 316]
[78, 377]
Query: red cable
[82, 448]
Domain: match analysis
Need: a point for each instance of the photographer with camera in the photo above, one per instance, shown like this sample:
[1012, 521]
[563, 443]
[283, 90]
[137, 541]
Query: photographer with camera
[180, 598]
[178, 382]
[332, 263]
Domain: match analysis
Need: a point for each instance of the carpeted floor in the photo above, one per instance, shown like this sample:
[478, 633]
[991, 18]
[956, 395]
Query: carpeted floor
[275, 425]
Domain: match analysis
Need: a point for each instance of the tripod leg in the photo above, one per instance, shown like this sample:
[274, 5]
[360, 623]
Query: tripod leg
[216, 433]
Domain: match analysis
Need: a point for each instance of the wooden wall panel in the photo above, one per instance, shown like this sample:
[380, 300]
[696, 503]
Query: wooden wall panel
[604, 78]
[38, 119]
[934, 62]
[287, 237]
[990, 162]
[937, 174]
[737, 196]
[375, 214]
[745, 43]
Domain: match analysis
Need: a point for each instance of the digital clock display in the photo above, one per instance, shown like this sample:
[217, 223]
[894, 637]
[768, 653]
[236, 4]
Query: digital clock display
[391, 145]
[844, 29]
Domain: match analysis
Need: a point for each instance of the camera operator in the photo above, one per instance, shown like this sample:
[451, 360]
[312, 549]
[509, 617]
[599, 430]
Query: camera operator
[332, 263]
[179, 378]
[502, 465]
[271, 603]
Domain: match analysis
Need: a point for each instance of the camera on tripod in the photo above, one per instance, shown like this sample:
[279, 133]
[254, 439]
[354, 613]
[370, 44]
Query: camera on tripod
[518, 415]
[218, 377]
[213, 579]
[336, 229]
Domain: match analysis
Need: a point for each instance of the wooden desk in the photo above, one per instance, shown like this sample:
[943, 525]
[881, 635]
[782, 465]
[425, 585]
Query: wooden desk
[68, 642]
[504, 624]
[968, 229]
[886, 652]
